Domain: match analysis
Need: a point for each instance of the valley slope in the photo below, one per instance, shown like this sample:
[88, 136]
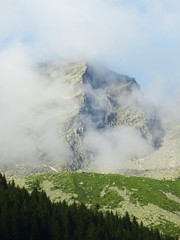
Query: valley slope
[155, 202]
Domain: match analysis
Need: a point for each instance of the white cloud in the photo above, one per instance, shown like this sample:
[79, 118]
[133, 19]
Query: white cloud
[140, 39]
[114, 148]
[124, 34]
[31, 109]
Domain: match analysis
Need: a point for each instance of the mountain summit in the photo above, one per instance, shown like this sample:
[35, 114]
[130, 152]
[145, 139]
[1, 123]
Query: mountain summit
[103, 101]
[84, 116]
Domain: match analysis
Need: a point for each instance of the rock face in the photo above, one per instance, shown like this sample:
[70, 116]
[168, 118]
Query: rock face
[74, 100]
[102, 99]
[164, 162]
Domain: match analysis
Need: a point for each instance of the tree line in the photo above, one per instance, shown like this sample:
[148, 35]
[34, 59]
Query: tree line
[32, 216]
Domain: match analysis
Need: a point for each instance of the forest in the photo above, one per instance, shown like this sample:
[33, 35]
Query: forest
[32, 216]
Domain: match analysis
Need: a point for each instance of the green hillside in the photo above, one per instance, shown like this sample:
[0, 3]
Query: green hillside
[155, 202]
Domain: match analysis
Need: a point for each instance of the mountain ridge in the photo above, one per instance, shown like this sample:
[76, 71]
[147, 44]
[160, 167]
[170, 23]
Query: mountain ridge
[104, 100]
[93, 117]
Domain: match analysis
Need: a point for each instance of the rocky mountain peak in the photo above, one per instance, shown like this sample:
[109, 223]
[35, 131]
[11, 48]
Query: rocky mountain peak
[104, 100]
[91, 110]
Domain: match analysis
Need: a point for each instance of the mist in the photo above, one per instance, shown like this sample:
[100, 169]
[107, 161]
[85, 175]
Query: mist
[138, 39]
[115, 148]
[31, 108]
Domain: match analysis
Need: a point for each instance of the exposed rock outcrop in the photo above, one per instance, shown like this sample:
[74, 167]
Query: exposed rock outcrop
[79, 98]
[103, 99]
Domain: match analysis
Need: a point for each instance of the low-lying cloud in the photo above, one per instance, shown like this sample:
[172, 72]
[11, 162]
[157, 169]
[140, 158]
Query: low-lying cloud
[139, 39]
[32, 108]
[115, 148]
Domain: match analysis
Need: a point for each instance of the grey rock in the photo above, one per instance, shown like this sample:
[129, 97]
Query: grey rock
[97, 99]
[104, 100]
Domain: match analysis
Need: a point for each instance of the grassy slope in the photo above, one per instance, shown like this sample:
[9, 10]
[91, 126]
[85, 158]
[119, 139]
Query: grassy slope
[155, 202]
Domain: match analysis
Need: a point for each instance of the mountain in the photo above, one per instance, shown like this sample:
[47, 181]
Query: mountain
[89, 117]
[165, 160]
[104, 100]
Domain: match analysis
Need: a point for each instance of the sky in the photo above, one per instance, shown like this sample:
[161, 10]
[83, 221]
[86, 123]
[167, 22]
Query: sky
[138, 38]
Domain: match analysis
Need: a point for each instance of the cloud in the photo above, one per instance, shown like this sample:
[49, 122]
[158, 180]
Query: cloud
[115, 148]
[139, 38]
[32, 108]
